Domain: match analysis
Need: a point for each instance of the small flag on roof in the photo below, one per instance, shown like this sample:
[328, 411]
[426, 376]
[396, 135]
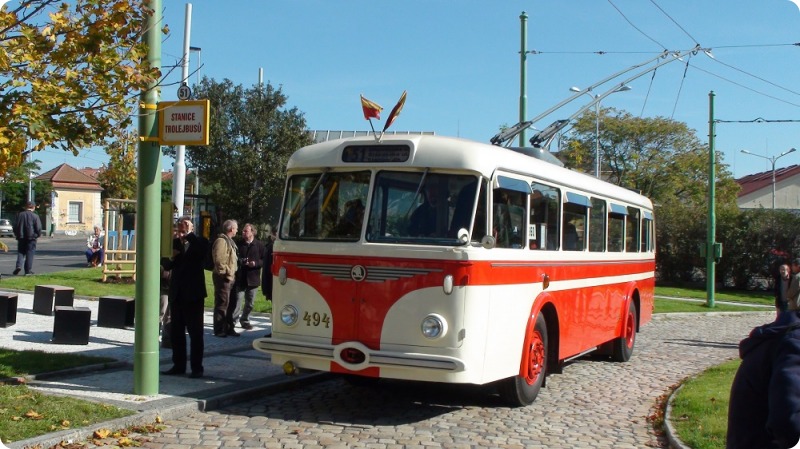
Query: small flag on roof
[395, 111]
[371, 109]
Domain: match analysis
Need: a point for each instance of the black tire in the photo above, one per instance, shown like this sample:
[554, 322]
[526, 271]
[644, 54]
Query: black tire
[622, 347]
[522, 389]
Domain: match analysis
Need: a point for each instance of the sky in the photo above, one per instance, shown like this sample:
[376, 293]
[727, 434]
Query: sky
[459, 61]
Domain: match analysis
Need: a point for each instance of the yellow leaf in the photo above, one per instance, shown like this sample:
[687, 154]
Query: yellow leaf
[125, 441]
[33, 415]
[102, 433]
[159, 420]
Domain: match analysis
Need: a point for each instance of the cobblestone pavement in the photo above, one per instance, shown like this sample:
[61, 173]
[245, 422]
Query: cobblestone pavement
[593, 404]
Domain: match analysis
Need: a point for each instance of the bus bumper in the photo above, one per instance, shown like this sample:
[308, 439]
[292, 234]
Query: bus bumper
[355, 357]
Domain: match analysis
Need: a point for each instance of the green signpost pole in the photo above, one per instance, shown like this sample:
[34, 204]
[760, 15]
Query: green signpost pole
[712, 218]
[148, 194]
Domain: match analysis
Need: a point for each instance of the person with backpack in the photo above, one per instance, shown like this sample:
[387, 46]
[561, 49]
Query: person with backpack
[764, 408]
[187, 293]
[226, 262]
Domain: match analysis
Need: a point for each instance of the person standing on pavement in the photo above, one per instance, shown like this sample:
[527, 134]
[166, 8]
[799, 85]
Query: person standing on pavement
[782, 282]
[27, 229]
[187, 293]
[251, 255]
[764, 407]
[226, 258]
[266, 273]
[793, 290]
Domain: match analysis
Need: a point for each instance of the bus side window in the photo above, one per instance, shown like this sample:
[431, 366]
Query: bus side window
[597, 226]
[574, 227]
[616, 232]
[632, 230]
[509, 209]
[543, 228]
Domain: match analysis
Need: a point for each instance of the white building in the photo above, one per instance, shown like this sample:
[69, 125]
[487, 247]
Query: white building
[757, 189]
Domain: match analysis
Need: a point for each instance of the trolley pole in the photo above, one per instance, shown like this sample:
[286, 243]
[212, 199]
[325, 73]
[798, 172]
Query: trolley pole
[148, 193]
[712, 218]
[523, 85]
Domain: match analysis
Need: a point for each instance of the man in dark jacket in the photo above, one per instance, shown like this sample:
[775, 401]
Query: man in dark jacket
[187, 293]
[248, 277]
[27, 229]
[764, 410]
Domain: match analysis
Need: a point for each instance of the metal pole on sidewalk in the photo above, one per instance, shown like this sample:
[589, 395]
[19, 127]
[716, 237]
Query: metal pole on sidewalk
[179, 169]
[148, 193]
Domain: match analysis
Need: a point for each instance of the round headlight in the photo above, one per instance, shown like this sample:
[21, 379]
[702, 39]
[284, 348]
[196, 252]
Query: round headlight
[289, 315]
[433, 326]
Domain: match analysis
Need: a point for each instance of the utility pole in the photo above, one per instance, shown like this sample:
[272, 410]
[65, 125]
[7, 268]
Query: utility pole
[712, 217]
[179, 169]
[523, 86]
[148, 193]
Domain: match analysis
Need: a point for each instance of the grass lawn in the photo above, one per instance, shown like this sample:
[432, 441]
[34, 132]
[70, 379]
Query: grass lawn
[700, 409]
[88, 282]
[25, 413]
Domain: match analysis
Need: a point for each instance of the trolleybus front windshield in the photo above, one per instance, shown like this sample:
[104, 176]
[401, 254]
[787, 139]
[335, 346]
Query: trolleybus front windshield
[415, 208]
[325, 206]
[421, 208]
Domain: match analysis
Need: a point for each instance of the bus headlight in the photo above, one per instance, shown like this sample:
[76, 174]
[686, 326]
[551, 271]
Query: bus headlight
[289, 315]
[433, 326]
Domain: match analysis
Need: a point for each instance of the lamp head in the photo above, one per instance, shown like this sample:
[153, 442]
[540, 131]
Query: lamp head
[574, 89]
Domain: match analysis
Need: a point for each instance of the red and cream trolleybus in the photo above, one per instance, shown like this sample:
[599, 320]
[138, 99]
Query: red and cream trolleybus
[439, 259]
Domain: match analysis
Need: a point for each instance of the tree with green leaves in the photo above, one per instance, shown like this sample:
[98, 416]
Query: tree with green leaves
[14, 188]
[252, 135]
[66, 72]
[118, 177]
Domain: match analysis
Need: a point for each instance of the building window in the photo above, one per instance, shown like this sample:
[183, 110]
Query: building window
[75, 212]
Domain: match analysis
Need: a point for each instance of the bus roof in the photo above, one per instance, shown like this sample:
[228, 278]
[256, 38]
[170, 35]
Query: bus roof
[451, 153]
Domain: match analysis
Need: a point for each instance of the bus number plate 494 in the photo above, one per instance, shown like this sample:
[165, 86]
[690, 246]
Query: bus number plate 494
[317, 319]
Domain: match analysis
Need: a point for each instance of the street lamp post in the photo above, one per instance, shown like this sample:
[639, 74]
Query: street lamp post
[772, 159]
[597, 122]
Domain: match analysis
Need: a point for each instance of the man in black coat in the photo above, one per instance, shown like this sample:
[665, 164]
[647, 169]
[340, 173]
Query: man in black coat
[27, 229]
[187, 293]
[248, 277]
[764, 409]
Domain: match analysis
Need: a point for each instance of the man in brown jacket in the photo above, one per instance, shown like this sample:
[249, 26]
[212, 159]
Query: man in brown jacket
[226, 259]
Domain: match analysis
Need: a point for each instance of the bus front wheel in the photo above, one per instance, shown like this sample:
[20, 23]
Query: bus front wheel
[522, 389]
[622, 347]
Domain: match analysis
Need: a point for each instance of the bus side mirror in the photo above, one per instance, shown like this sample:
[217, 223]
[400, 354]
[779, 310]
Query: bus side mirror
[488, 242]
[462, 236]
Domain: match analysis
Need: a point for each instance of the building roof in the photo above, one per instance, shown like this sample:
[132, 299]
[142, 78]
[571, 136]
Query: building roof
[758, 181]
[67, 177]
[92, 172]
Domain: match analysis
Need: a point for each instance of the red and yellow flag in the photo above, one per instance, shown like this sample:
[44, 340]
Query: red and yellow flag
[395, 111]
[371, 109]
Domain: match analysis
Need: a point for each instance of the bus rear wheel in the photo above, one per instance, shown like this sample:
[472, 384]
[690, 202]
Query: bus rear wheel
[622, 347]
[522, 389]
